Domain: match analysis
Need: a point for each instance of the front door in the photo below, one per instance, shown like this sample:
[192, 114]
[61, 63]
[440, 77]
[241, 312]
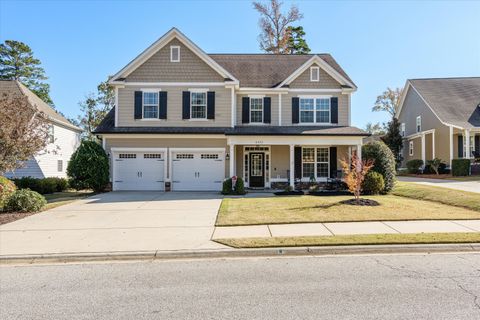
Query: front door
[257, 170]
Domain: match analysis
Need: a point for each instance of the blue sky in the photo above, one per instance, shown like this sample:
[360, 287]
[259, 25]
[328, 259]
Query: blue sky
[379, 44]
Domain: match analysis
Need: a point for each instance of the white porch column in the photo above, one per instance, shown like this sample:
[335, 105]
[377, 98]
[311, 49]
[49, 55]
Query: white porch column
[451, 145]
[433, 145]
[279, 109]
[233, 111]
[349, 155]
[292, 165]
[424, 158]
[468, 155]
[359, 155]
[232, 160]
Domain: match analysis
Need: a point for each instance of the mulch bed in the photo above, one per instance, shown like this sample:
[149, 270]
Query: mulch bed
[289, 193]
[12, 216]
[324, 193]
[360, 202]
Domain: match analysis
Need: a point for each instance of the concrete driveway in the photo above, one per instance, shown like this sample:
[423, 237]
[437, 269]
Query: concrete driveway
[471, 186]
[117, 221]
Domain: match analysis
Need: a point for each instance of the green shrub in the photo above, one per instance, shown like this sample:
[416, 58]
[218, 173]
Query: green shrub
[384, 162]
[88, 167]
[227, 186]
[441, 167]
[373, 183]
[7, 188]
[460, 167]
[26, 200]
[42, 186]
[414, 165]
[239, 187]
[47, 185]
[62, 184]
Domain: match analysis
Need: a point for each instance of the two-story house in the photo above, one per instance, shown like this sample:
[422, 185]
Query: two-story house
[440, 118]
[186, 120]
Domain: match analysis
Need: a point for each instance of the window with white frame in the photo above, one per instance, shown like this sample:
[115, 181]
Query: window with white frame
[150, 105]
[472, 146]
[402, 129]
[410, 148]
[315, 110]
[315, 162]
[314, 74]
[174, 54]
[256, 110]
[60, 165]
[51, 134]
[419, 124]
[198, 105]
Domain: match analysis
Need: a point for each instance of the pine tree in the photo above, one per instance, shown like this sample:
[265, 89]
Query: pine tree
[18, 63]
[393, 139]
[296, 42]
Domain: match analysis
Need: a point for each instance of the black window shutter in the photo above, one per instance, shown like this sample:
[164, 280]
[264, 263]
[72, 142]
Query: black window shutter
[477, 144]
[186, 105]
[267, 110]
[138, 105]
[295, 109]
[333, 162]
[210, 105]
[245, 110]
[460, 146]
[334, 109]
[298, 162]
[162, 98]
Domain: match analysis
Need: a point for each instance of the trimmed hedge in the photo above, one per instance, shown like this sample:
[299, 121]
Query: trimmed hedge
[238, 190]
[7, 188]
[460, 167]
[373, 183]
[384, 162]
[42, 186]
[26, 200]
[414, 165]
[88, 167]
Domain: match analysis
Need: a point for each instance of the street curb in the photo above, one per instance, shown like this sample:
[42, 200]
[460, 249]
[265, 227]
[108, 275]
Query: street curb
[239, 253]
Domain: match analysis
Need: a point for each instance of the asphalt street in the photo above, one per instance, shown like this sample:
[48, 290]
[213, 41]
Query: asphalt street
[440, 286]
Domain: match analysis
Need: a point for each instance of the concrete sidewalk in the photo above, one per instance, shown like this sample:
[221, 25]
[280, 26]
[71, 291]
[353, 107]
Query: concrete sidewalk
[470, 186]
[347, 228]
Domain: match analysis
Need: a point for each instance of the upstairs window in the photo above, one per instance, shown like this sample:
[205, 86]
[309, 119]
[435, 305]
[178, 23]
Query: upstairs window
[51, 134]
[198, 105]
[402, 129]
[174, 54]
[150, 105]
[314, 74]
[256, 110]
[410, 148]
[315, 110]
[419, 124]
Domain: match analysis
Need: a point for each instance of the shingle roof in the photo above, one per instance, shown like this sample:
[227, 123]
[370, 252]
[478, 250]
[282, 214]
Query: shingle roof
[268, 70]
[16, 87]
[108, 126]
[454, 100]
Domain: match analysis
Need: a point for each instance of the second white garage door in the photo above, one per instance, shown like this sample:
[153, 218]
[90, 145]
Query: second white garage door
[197, 171]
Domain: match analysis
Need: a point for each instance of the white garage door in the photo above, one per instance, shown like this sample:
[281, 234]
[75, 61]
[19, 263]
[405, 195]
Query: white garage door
[197, 171]
[139, 171]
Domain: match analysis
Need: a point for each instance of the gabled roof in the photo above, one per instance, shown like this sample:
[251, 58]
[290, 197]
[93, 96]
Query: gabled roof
[160, 43]
[16, 87]
[455, 101]
[271, 70]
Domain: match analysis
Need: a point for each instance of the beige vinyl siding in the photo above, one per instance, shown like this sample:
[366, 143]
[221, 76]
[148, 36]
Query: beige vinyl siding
[126, 142]
[273, 108]
[343, 106]
[417, 149]
[325, 81]
[174, 109]
[159, 68]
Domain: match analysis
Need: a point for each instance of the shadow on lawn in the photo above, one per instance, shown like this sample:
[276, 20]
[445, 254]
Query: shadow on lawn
[319, 206]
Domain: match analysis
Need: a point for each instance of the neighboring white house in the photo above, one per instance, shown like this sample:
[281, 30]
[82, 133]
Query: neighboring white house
[64, 139]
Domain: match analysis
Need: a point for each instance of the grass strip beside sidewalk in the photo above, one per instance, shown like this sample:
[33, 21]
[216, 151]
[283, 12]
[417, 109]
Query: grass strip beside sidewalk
[456, 198]
[370, 239]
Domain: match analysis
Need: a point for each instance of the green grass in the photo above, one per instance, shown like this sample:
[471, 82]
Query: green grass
[58, 199]
[445, 196]
[370, 239]
[302, 209]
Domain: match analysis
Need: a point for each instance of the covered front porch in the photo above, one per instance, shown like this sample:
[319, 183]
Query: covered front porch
[276, 162]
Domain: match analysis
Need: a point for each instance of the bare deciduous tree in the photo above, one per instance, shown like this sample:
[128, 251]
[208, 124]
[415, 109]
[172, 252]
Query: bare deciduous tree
[388, 101]
[273, 23]
[355, 173]
[24, 131]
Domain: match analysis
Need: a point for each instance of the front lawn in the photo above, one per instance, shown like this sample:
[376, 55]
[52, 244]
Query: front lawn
[446, 196]
[370, 239]
[298, 209]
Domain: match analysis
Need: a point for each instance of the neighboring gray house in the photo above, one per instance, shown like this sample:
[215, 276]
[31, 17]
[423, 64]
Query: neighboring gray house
[440, 118]
[64, 138]
[186, 120]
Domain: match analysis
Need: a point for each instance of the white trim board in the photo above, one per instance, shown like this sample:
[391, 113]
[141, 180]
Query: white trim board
[160, 43]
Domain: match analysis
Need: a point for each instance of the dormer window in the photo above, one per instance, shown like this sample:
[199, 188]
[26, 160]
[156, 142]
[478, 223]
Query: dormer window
[174, 54]
[314, 74]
